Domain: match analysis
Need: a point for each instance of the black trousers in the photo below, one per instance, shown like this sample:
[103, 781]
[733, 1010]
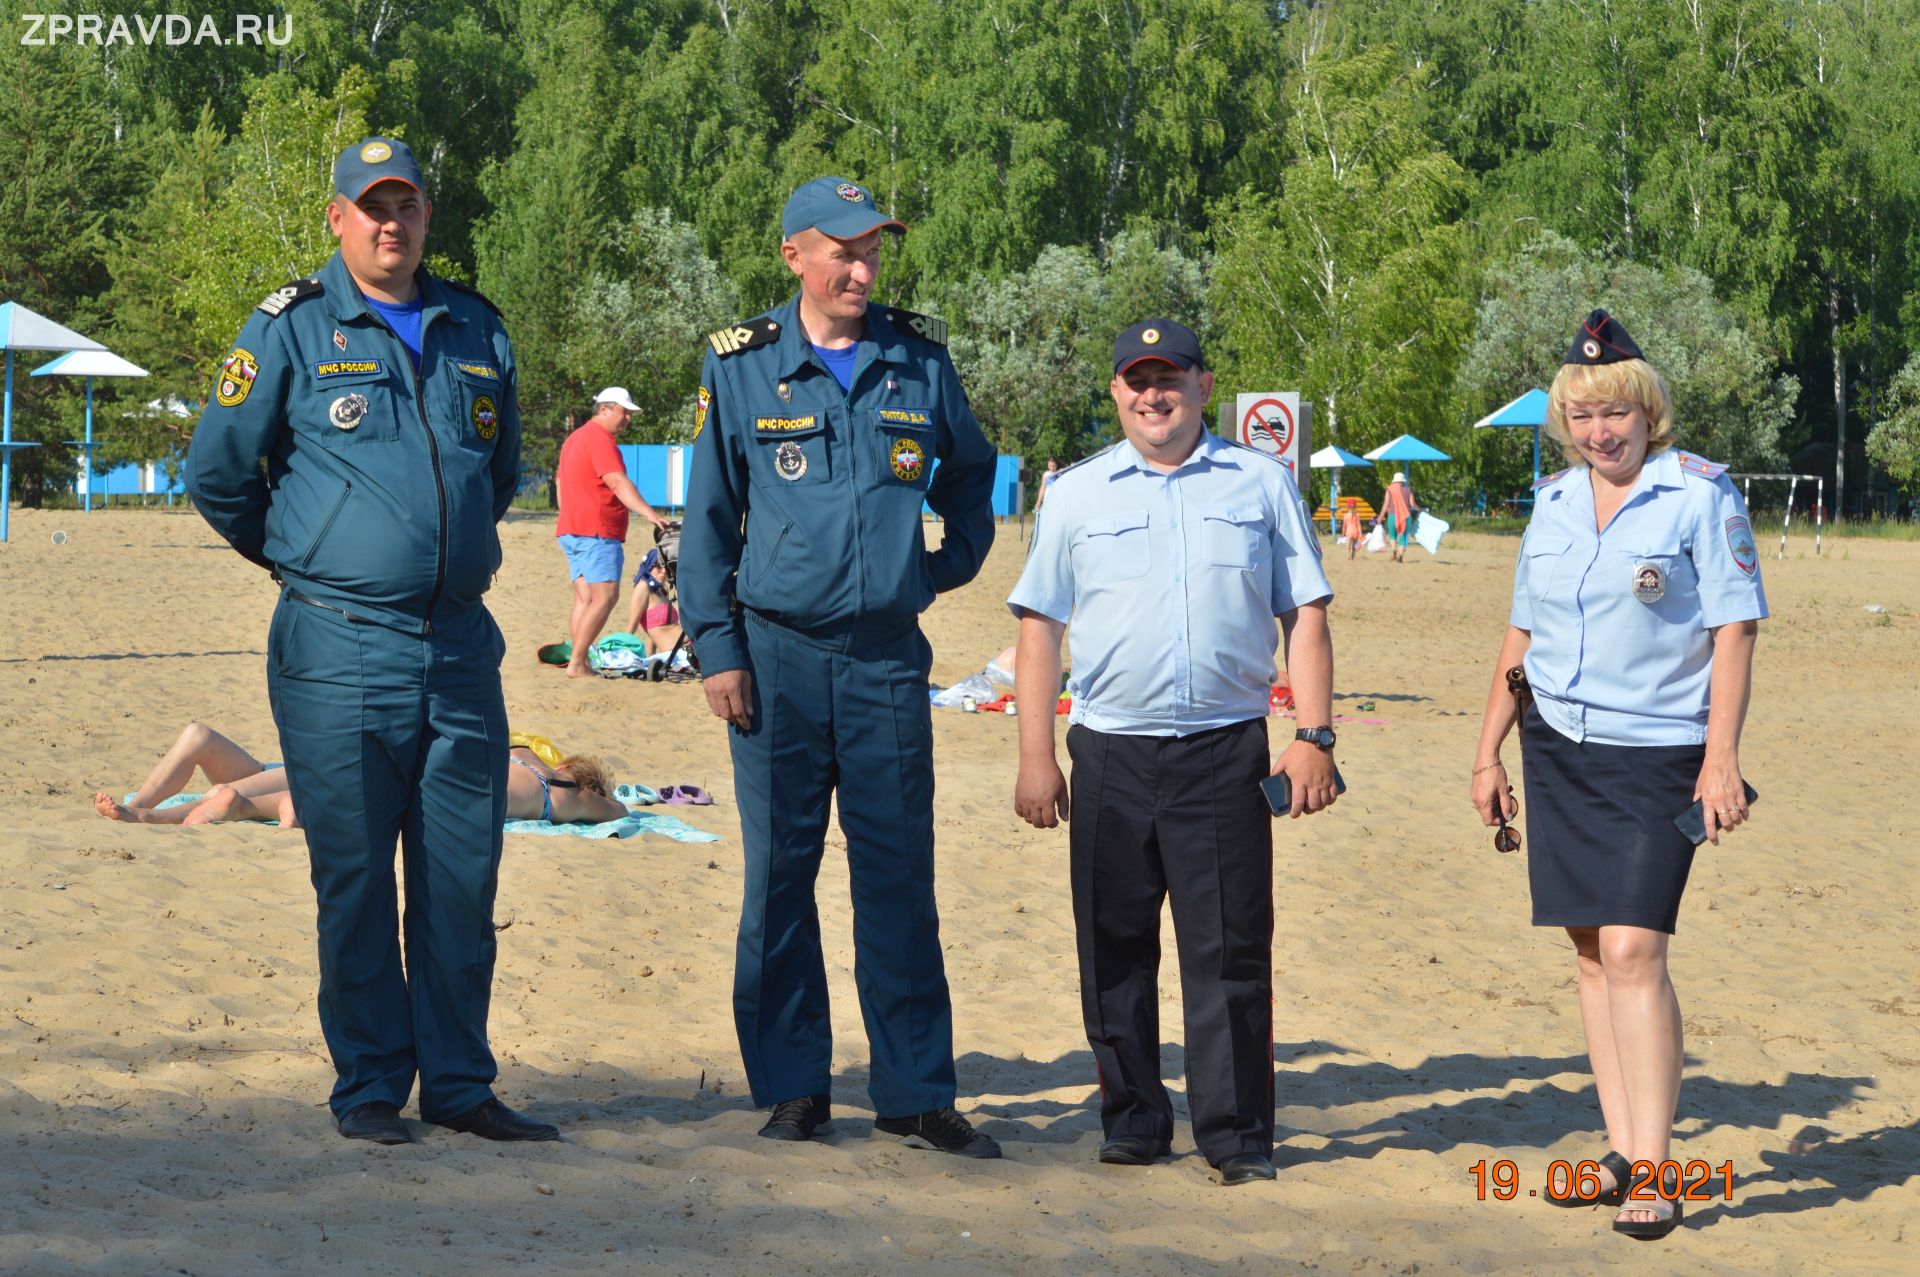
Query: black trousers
[1180, 818]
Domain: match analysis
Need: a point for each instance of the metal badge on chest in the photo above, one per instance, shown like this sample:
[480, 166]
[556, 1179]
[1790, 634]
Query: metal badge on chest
[1649, 582]
[789, 461]
[347, 411]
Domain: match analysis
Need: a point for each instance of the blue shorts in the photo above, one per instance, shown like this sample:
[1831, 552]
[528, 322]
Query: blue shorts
[597, 560]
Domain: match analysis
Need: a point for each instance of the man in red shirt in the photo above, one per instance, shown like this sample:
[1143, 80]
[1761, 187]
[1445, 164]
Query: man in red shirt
[595, 495]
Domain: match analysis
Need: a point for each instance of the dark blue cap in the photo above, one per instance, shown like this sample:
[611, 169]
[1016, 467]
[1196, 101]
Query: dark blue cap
[372, 160]
[1157, 339]
[1601, 340]
[834, 207]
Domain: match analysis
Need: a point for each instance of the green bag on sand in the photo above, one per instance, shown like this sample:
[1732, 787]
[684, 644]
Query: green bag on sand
[556, 653]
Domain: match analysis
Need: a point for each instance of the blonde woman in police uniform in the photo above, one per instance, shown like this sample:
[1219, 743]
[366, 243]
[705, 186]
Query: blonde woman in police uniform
[1635, 607]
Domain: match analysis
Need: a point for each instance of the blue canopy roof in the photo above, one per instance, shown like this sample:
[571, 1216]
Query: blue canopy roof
[1529, 409]
[1407, 448]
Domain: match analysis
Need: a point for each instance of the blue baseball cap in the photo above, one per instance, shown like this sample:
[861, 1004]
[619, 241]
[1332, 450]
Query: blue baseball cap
[1157, 339]
[835, 207]
[373, 160]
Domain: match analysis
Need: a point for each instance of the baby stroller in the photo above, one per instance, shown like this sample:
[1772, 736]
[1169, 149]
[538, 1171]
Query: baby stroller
[667, 541]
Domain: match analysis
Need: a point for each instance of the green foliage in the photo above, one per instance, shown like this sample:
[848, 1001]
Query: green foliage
[1729, 404]
[1894, 444]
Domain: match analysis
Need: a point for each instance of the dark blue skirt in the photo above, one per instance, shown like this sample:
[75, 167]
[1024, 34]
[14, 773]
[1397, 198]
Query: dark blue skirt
[1602, 849]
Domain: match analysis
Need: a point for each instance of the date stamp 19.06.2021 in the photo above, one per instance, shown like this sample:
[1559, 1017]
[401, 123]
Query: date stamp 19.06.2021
[1693, 1181]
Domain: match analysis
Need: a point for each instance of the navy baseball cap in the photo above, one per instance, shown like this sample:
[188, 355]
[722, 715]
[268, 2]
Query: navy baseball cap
[373, 160]
[835, 207]
[1157, 339]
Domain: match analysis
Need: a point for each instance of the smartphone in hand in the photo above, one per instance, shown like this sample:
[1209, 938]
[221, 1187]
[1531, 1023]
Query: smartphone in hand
[1279, 791]
[1693, 821]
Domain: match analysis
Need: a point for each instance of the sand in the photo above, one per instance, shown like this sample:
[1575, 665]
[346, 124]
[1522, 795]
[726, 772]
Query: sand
[162, 1075]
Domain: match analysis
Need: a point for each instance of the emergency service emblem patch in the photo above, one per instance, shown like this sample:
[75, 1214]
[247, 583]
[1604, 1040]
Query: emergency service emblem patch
[346, 411]
[236, 378]
[908, 459]
[789, 461]
[1746, 556]
[850, 193]
[486, 423]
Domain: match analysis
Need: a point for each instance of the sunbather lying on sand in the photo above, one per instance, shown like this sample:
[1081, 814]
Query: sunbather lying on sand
[244, 788]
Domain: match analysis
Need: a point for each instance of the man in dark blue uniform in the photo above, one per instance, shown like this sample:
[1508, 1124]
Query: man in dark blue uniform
[382, 400]
[803, 573]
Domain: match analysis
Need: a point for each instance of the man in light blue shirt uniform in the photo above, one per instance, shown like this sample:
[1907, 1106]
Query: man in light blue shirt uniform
[1179, 558]
[1622, 620]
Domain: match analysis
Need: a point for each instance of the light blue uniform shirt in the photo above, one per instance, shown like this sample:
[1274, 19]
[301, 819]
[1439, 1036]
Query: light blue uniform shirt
[1171, 583]
[1621, 653]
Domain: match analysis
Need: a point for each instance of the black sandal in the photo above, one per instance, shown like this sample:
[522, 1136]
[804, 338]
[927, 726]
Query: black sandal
[1614, 1196]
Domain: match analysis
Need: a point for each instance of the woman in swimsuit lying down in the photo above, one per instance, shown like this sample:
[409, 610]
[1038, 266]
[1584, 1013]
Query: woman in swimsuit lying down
[244, 788]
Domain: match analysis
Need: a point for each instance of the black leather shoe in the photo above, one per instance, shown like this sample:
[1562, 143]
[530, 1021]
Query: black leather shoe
[378, 1121]
[943, 1130]
[1245, 1168]
[1133, 1150]
[495, 1121]
[797, 1120]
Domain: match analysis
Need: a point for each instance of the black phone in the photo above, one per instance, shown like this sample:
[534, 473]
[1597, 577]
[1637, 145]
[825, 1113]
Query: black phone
[1279, 791]
[1693, 821]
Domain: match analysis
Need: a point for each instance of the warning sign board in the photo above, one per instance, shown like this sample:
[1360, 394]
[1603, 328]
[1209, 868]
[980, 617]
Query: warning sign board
[1270, 421]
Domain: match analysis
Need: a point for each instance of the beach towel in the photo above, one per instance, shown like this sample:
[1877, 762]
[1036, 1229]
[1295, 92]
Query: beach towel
[1427, 531]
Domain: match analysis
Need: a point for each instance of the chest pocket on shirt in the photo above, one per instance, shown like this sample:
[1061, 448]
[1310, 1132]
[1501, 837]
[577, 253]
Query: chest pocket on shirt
[1679, 581]
[791, 448]
[476, 400]
[1113, 547]
[1232, 538]
[905, 445]
[1544, 555]
[350, 409]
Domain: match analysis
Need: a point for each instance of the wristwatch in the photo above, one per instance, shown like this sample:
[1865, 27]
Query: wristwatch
[1319, 736]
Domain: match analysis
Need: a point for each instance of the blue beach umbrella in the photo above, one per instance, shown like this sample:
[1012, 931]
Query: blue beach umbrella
[89, 364]
[22, 329]
[1529, 411]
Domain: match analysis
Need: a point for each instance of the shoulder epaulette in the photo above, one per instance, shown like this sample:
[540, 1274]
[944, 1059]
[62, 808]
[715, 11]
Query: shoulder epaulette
[288, 295]
[930, 327]
[1546, 479]
[471, 291]
[1063, 471]
[1258, 452]
[731, 341]
[1699, 465]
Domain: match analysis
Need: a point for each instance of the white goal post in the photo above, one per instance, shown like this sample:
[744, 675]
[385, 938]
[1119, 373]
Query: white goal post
[1793, 482]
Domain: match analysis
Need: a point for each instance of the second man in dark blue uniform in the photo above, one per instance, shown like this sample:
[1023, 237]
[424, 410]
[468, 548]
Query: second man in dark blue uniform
[803, 574]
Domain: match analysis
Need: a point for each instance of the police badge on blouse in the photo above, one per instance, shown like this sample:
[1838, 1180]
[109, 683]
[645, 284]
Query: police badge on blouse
[1649, 582]
[347, 410]
[789, 461]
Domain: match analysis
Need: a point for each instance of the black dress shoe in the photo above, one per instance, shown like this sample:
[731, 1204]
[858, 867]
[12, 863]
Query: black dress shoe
[1245, 1168]
[1133, 1150]
[796, 1120]
[378, 1121]
[495, 1121]
[942, 1130]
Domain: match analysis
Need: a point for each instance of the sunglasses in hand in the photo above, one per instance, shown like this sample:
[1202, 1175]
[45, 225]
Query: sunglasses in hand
[1506, 838]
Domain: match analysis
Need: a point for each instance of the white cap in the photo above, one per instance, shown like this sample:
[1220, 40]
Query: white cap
[1399, 476]
[616, 394]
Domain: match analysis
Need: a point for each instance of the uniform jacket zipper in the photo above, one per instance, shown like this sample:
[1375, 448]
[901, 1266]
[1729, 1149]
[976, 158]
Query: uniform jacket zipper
[439, 480]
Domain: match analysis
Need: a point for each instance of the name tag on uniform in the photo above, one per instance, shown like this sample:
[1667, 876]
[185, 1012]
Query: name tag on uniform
[912, 418]
[1649, 582]
[784, 425]
[347, 368]
[487, 371]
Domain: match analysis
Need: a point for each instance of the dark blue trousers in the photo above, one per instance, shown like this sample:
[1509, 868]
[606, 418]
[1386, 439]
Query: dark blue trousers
[852, 715]
[392, 738]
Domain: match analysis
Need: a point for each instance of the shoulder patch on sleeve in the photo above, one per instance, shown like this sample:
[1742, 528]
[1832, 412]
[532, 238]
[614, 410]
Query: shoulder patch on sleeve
[930, 327]
[1547, 480]
[471, 291]
[731, 341]
[1699, 465]
[288, 295]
